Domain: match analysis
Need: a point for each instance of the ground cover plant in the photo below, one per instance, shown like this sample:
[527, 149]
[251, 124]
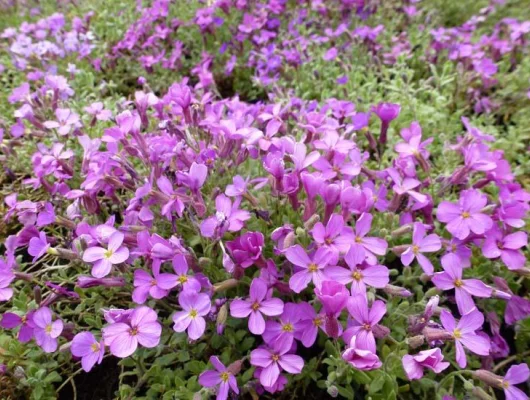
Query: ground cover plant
[264, 199]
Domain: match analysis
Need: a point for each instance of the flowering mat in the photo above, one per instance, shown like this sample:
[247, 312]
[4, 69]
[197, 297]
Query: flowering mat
[264, 199]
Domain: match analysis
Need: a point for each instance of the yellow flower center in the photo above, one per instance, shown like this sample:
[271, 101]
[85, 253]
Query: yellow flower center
[415, 249]
[183, 279]
[94, 347]
[465, 214]
[193, 313]
[505, 384]
[357, 276]
[317, 321]
[133, 331]
[225, 376]
[255, 306]
[287, 328]
[328, 241]
[459, 283]
[153, 282]
[367, 327]
[108, 254]
[48, 329]
[457, 334]
[358, 239]
[312, 267]
[275, 357]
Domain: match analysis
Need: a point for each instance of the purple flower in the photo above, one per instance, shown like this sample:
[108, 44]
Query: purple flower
[386, 112]
[335, 236]
[256, 305]
[360, 358]
[246, 249]
[86, 346]
[104, 259]
[222, 377]
[45, 331]
[465, 216]
[333, 296]
[364, 320]
[507, 247]
[421, 244]
[38, 246]
[147, 285]
[6, 277]
[195, 306]
[451, 278]
[273, 361]
[516, 374]
[359, 275]
[66, 119]
[309, 323]
[11, 320]
[311, 268]
[285, 331]
[96, 109]
[139, 327]
[228, 217]
[367, 246]
[465, 335]
[431, 359]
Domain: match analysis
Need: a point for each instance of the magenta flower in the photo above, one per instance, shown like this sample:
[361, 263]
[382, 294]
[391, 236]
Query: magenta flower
[336, 236]
[139, 327]
[465, 335]
[195, 178]
[147, 285]
[359, 275]
[367, 246]
[421, 244]
[311, 269]
[11, 320]
[364, 320]
[85, 346]
[228, 218]
[284, 332]
[360, 358]
[465, 216]
[221, 376]
[451, 278]
[273, 361]
[6, 277]
[97, 110]
[431, 359]
[516, 374]
[45, 331]
[309, 324]
[195, 306]
[246, 249]
[66, 120]
[38, 246]
[104, 259]
[507, 247]
[171, 198]
[256, 305]
[333, 296]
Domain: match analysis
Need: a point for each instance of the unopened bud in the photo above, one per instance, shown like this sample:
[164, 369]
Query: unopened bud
[424, 278]
[479, 393]
[433, 334]
[67, 223]
[399, 250]
[380, 331]
[235, 367]
[333, 391]
[37, 294]
[19, 372]
[65, 347]
[522, 271]
[289, 240]
[221, 318]
[432, 292]
[489, 378]
[415, 341]
[468, 385]
[300, 232]
[402, 230]
[225, 285]
[67, 254]
[204, 262]
[397, 291]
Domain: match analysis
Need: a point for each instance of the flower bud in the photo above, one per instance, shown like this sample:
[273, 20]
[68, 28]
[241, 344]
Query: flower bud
[204, 262]
[415, 341]
[221, 318]
[225, 285]
[311, 222]
[333, 391]
[235, 367]
[67, 254]
[397, 291]
[380, 331]
[402, 230]
[489, 378]
[399, 250]
[479, 393]
[432, 334]
[37, 293]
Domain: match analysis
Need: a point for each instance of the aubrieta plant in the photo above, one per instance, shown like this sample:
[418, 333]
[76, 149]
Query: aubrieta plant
[172, 239]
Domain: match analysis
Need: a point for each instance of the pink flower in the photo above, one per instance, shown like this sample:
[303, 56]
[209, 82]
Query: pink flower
[104, 259]
[364, 320]
[195, 306]
[465, 335]
[255, 306]
[86, 346]
[139, 327]
[273, 360]
[228, 217]
[360, 358]
[336, 236]
[367, 246]
[516, 374]
[6, 277]
[359, 274]
[431, 359]
[312, 269]
[45, 331]
[221, 376]
[507, 247]
[421, 244]
[66, 119]
[465, 217]
[38, 246]
[451, 278]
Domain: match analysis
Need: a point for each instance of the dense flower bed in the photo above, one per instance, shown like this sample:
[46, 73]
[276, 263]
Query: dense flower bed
[266, 247]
